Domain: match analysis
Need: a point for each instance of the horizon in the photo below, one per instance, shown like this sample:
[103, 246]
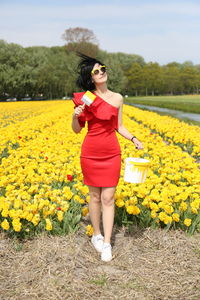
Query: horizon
[187, 61]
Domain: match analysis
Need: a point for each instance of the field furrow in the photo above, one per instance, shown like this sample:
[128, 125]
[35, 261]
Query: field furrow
[186, 136]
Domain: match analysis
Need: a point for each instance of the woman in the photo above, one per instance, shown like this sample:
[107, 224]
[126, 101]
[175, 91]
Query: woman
[100, 152]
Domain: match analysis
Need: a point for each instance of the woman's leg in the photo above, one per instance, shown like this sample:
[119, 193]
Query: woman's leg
[108, 205]
[95, 208]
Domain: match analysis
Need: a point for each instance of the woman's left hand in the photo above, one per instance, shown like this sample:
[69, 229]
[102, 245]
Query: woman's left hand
[138, 144]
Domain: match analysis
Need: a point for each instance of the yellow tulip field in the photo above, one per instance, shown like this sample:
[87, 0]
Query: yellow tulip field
[41, 185]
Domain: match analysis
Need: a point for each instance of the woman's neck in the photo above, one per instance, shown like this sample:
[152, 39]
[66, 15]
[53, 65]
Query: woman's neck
[101, 89]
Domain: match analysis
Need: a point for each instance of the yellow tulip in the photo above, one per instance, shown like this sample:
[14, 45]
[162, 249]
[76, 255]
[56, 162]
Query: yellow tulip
[89, 230]
[187, 222]
[60, 215]
[48, 224]
[85, 211]
[175, 217]
[119, 202]
[5, 225]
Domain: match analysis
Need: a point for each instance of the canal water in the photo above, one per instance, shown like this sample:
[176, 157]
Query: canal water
[176, 113]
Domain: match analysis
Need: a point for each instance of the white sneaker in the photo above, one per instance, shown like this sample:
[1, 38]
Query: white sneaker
[106, 254]
[97, 241]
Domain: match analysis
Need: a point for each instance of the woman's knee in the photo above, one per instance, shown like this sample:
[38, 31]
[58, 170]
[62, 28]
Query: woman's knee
[107, 200]
[95, 194]
[107, 196]
[95, 197]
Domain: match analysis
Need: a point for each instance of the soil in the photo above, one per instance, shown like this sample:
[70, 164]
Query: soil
[149, 264]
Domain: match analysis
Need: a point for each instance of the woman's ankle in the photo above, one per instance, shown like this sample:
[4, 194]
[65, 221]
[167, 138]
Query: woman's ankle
[97, 232]
[107, 241]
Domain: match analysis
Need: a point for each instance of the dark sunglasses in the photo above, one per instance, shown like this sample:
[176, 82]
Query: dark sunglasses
[96, 71]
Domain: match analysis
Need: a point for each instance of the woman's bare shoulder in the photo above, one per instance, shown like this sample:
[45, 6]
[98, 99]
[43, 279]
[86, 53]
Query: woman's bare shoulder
[118, 96]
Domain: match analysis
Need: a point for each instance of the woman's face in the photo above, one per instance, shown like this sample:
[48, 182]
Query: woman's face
[101, 77]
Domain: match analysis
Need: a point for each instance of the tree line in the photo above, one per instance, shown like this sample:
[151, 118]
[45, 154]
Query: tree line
[50, 72]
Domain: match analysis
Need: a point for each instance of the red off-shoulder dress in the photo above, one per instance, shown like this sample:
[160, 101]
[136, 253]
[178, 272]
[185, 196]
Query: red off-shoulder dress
[100, 152]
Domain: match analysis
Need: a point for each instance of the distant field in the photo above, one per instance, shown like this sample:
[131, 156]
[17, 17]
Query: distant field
[188, 103]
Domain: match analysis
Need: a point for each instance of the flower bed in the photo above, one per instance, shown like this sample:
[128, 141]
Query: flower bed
[41, 184]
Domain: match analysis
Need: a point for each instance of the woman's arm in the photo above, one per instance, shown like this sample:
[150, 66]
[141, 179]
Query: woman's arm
[123, 131]
[75, 123]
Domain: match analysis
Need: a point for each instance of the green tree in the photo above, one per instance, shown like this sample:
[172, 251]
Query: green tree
[172, 79]
[135, 79]
[126, 60]
[190, 78]
[116, 77]
[13, 72]
[153, 78]
[38, 57]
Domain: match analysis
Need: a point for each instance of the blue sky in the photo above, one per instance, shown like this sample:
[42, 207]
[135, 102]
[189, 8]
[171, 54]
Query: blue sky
[160, 31]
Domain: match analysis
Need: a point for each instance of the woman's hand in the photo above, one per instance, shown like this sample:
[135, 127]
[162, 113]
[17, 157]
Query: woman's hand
[79, 109]
[138, 144]
[75, 122]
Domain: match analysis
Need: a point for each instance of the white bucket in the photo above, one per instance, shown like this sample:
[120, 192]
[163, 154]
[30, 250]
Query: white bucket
[136, 169]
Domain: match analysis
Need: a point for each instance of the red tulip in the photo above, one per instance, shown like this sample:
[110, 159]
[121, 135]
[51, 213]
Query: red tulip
[70, 177]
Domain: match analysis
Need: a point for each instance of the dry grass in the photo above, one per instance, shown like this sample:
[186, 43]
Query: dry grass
[149, 264]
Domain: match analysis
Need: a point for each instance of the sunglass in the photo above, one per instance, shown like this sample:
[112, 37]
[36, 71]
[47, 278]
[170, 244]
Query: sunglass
[96, 71]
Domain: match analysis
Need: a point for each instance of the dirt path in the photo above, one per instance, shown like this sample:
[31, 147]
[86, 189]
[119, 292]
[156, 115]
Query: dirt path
[149, 264]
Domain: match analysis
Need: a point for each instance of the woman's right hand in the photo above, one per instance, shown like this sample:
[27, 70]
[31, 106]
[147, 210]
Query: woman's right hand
[78, 110]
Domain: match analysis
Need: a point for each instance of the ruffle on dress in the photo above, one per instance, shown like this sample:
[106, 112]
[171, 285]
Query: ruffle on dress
[99, 108]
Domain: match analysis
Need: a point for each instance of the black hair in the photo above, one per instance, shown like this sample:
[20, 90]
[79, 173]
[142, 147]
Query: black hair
[85, 66]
